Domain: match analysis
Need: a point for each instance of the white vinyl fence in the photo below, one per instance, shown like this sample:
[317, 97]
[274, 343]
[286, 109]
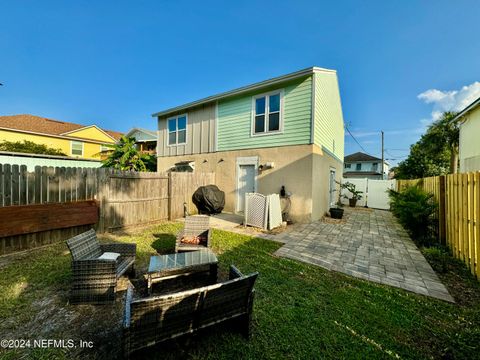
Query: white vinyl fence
[374, 192]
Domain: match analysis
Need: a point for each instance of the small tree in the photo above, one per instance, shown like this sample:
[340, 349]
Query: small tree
[436, 153]
[124, 155]
[30, 148]
[356, 194]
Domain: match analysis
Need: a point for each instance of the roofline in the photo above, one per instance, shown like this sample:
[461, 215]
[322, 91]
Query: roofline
[145, 131]
[362, 173]
[346, 161]
[73, 138]
[375, 158]
[244, 89]
[470, 107]
[87, 127]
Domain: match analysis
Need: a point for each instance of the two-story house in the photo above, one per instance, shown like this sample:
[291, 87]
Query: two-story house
[286, 131]
[73, 140]
[468, 149]
[361, 166]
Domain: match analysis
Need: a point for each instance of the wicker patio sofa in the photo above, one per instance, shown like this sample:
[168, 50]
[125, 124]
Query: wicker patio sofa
[94, 280]
[156, 319]
[198, 226]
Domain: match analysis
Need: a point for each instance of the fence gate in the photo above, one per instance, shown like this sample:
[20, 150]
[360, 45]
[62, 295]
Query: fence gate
[377, 193]
[374, 192]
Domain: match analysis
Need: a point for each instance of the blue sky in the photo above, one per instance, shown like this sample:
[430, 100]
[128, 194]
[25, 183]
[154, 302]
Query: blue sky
[114, 63]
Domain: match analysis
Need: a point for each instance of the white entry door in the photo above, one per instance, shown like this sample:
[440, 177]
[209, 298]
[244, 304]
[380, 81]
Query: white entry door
[245, 183]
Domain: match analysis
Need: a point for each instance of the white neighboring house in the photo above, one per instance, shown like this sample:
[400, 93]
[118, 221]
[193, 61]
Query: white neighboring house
[469, 147]
[361, 165]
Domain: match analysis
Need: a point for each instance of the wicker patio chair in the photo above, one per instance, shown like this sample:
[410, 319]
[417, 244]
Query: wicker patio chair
[196, 225]
[152, 320]
[95, 280]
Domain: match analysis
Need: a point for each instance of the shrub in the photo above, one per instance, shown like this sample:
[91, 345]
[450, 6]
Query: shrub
[125, 156]
[415, 210]
[30, 147]
[438, 258]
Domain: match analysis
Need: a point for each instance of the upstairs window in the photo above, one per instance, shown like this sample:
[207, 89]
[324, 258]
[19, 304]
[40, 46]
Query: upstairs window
[374, 166]
[267, 113]
[177, 130]
[359, 167]
[77, 148]
[348, 166]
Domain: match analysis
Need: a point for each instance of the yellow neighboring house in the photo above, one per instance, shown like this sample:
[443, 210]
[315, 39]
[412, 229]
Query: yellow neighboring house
[73, 139]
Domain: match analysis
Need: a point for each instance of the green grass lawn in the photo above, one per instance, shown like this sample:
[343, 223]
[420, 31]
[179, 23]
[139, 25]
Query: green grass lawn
[301, 311]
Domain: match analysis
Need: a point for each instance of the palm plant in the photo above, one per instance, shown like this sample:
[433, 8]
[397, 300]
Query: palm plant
[355, 194]
[124, 155]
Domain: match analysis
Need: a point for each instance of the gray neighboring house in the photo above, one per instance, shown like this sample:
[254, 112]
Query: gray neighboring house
[361, 165]
[146, 140]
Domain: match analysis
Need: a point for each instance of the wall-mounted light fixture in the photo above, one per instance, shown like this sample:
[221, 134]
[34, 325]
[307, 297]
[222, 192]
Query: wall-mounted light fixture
[266, 166]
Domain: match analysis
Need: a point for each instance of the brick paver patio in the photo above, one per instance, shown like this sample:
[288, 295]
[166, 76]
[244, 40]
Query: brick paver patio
[370, 245]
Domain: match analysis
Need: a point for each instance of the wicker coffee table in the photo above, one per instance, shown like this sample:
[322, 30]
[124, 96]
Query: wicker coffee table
[170, 266]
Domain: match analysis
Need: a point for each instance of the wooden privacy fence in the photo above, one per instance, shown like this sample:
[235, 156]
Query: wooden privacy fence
[124, 199]
[183, 185]
[459, 195]
[131, 199]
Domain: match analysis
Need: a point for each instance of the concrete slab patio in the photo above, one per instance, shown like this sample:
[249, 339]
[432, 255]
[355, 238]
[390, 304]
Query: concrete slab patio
[370, 244]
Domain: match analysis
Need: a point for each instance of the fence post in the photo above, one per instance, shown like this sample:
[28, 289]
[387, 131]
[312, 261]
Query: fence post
[102, 189]
[169, 182]
[441, 211]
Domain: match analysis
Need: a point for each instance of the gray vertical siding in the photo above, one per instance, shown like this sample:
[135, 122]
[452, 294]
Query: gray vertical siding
[200, 133]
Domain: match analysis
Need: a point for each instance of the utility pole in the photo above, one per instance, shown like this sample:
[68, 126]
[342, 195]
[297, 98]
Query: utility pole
[383, 159]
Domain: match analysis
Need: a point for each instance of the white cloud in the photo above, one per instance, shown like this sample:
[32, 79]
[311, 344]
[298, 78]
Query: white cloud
[452, 100]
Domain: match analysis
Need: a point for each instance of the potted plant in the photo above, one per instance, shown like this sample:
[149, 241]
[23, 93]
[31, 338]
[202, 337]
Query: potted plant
[337, 212]
[355, 194]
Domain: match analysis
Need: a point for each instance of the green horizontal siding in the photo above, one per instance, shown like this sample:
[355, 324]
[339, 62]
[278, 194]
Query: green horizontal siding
[235, 119]
[328, 114]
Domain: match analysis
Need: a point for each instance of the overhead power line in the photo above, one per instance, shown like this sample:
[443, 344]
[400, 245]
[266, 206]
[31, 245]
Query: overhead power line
[353, 137]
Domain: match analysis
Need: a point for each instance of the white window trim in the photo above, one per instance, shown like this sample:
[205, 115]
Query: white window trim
[266, 95]
[168, 131]
[71, 147]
